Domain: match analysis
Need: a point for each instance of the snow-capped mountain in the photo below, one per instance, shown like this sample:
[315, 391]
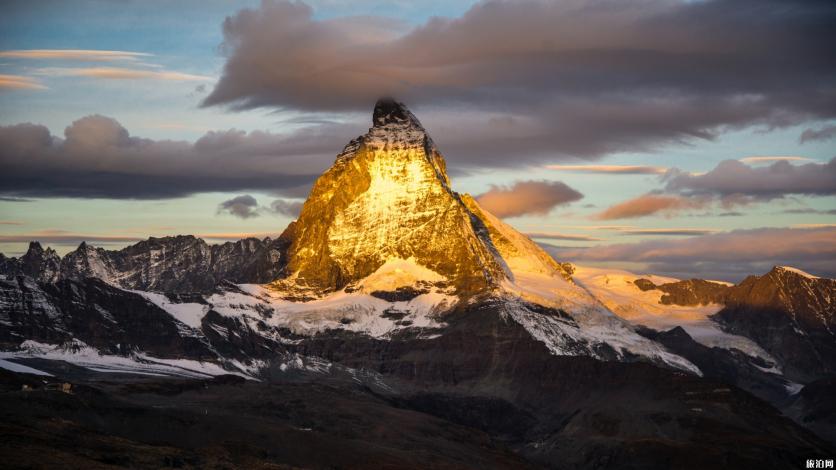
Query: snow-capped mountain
[392, 278]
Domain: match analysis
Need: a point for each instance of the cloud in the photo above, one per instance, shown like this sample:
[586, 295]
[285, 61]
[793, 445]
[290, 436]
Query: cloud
[63, 237]
[602, 227]
[774, 159]
[234, 236]
[13, 199]
[111, 73]
[684, 232]
[561, 236]
[823, 133]
[569, 78]
[98, 158]
[121, 73]
[651, 204]
[246, 207]
[243, 207]
[728, 255]
[287, 207]
[19, 82]
[10, 222]
[732, 178]
[813, 225]
[809, 210]
[616, 169]
[527, 198]
[85, 55]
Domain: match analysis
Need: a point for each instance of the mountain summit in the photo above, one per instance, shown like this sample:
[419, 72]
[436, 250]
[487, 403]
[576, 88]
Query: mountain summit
[387, 202]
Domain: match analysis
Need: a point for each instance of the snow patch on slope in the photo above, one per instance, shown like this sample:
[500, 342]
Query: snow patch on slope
[15, 367]
[397, 272]
[189, 314]
[355, 311]
[798, 271]
[82, 355]
[595, 331]
[616, 289]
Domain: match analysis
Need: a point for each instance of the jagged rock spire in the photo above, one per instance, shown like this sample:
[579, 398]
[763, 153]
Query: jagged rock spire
[388, 111]
[388, 197]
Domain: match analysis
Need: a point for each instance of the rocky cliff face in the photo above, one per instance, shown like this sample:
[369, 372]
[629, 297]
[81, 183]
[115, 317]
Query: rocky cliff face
[687, 293]
[387, 197]
[168, 264]
[789, 313]
[37, 263]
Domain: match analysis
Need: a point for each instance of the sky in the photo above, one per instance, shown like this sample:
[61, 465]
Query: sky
[692, 139]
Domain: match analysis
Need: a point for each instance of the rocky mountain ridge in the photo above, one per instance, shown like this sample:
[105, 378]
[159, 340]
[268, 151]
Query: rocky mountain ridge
[790, 313]
[182, 263]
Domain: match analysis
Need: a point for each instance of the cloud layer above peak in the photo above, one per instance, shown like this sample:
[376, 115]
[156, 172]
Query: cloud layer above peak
[609, 74]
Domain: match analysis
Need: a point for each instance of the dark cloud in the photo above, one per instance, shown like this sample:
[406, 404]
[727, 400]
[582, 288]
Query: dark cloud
[287, 207]
[808, 210]
[243, 207]
[728, 255]
[611, 169]
[98, 158]
[566, 78]
[734, 179]
[527, 197]
[823, 133]
[730, 184]
[246, 207]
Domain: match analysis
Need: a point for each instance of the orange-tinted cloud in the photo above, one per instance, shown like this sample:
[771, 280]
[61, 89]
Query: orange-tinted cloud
[562, 236]
[773, 159]
[685, 232]
[19, 82]
[527, 197]
[651, 204]
[64, 237]
[86, 55]
[121, 73]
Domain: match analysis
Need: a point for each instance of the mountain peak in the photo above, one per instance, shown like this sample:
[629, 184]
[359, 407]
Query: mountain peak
[389, 111]
[386, 201]
[790, 269]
